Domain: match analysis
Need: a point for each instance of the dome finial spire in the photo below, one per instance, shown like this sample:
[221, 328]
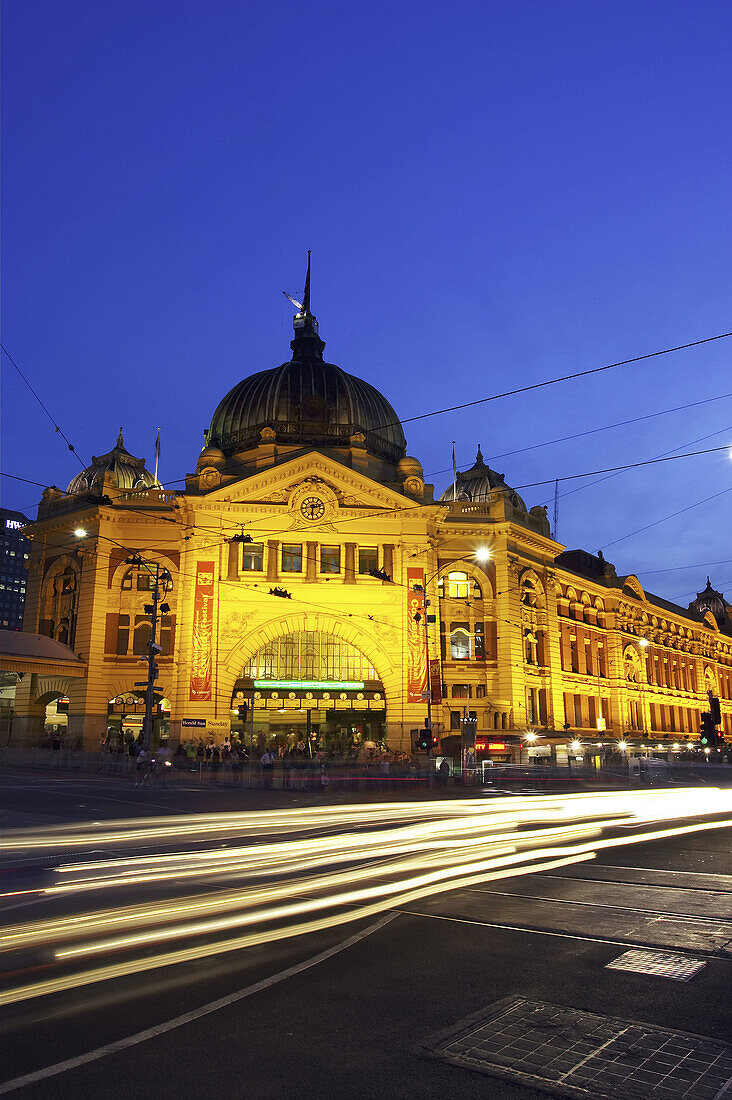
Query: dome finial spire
[479, 457]
[120, 440]
[306, 294]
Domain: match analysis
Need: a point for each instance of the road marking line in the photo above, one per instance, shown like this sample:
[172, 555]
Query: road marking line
[564, 935]
[696, 917]
[655, 870]
[195, 1014]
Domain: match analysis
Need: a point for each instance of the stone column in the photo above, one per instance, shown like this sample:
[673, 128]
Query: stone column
[232, 573]
[349, 570]
[311, 561]
[273, 548]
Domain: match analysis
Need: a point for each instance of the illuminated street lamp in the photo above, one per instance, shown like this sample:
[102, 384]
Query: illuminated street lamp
[482, 554]
[80, 532]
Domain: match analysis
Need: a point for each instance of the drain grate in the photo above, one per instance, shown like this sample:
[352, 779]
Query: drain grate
[661, 964]
[579, 1054]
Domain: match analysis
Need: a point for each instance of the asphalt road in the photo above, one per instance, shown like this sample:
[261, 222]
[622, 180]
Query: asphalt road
[347, 1024]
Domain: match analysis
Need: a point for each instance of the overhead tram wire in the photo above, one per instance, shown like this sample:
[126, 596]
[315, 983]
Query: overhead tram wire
[678, 568]
[663, 519]
[69, 444]
[663, 454]
[437, 504]
[521, 389]
[554, 381]
[594, 431]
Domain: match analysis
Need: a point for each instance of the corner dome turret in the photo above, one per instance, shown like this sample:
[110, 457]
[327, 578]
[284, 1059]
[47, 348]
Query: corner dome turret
[477, 484]
[128, 472]
[211, 455]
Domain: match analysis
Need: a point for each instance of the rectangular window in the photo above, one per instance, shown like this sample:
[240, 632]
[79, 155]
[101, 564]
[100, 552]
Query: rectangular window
[368, 559]
[532, 709]
[291, 557]
[454, 719]
[123, 635]
[480, 691]
[479, 636]
[144, 581]
[460, 691]
[330, 559]
[166, 635]
[459, 642]
[252, 557]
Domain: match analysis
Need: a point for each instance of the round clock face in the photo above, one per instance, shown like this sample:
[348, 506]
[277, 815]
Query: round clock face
[312, 508]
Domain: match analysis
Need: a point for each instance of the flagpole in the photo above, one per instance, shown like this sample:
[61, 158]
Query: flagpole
[454, 473]
[157, 454]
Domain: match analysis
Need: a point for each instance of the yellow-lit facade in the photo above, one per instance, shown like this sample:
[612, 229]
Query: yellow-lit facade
[311, 496]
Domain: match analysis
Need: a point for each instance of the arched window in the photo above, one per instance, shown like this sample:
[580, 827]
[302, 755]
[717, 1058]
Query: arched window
[459, 585]
[143, 631]
[631, 665]
[59, 602]
[531, 648]
[531, 590]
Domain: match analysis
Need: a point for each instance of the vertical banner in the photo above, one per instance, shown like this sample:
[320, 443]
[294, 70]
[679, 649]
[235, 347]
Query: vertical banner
[436, 680]
[416, 649]
[203, 621]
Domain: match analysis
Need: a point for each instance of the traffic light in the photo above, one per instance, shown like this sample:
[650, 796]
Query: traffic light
[716, 710]
[243, 710]
[708, 734]
[424, 739]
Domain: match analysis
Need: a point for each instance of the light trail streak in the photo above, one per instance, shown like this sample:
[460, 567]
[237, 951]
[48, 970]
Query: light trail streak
[135, 966]
[375, 857]
[207, 827]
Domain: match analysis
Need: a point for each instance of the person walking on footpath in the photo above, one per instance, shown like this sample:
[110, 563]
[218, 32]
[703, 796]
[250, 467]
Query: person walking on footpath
[142, 767]
[266, 763]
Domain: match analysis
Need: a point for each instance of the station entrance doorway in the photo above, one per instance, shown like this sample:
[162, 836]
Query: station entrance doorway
[309, 689]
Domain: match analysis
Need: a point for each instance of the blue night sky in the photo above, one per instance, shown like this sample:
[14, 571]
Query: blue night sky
[495, 193]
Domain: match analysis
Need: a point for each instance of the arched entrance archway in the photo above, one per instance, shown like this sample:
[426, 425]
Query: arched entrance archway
[125, 713]
[313, 688]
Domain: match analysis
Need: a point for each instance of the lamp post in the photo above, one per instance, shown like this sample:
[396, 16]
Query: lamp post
[529, 738]
[153, 647]
[482, 554]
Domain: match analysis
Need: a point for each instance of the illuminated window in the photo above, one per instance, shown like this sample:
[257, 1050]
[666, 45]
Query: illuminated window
[252, 557]
[459, 642]
[460, 691]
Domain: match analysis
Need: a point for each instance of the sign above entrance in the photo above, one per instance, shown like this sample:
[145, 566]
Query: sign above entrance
[312, 685]
[206, 723]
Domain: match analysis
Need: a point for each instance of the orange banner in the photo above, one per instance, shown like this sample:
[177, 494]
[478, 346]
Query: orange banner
[436, 680]
[203, 622]
[416, 647]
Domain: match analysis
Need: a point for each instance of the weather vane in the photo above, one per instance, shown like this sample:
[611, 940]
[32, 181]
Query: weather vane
[303, 306]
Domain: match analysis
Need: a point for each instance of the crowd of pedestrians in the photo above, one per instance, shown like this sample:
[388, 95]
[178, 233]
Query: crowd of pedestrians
[288, 763]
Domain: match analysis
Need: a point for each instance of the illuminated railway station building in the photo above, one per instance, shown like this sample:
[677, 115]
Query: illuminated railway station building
[304, 487]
